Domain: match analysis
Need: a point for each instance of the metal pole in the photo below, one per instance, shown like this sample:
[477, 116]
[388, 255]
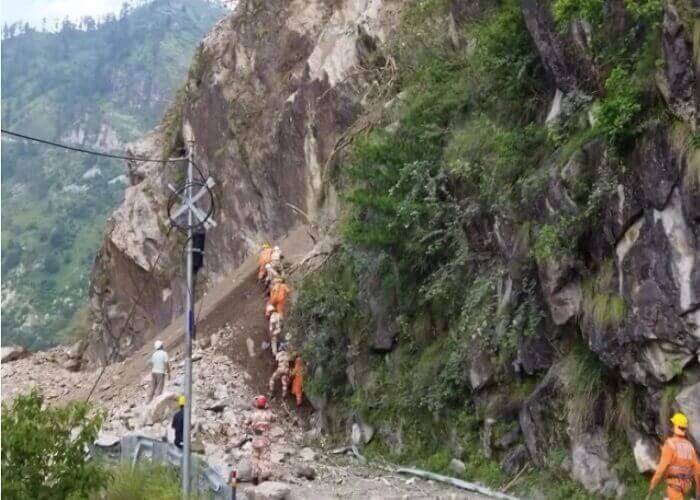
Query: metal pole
[189, 319]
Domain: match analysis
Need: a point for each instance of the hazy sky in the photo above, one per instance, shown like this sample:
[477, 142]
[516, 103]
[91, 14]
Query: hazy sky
[33, 11]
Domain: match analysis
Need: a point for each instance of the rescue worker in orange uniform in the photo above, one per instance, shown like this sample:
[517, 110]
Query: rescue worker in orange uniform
[259, 423]
[264, 259]
[679, 463]
[298, 380]
[278, 297]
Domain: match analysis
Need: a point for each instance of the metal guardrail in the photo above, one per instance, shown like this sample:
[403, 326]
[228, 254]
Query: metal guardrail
[132, 449]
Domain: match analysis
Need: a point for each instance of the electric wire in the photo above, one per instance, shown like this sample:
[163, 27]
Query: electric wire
[88, 151]
[171, 202]
[131, 312]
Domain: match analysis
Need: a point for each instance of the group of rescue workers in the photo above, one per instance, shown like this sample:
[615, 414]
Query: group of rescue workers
[678, 465]
[271, 276]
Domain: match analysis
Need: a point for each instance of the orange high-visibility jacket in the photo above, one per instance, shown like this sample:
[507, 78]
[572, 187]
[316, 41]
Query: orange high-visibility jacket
[278, 297]
[263, 260]
[298, 380]
[679, 465]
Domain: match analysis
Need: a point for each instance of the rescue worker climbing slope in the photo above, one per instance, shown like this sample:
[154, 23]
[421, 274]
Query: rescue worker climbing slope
[298, 380]
[271, 273]
[275, 328]
[282, 371]
[264, 259]
[259, 424]
[276, 257]
[278, 296]
[679, 463]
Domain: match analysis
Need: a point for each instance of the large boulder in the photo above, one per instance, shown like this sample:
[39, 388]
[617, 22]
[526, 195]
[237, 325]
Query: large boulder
[77, 350]
[160, 408]
[515, 459]
[542, 417]
[244, 469]
[72, 364]
[12, 353]
[590, 466]
[457, 466]
[269, 490]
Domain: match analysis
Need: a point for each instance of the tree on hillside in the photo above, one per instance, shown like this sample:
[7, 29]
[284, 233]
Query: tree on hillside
[44, 450]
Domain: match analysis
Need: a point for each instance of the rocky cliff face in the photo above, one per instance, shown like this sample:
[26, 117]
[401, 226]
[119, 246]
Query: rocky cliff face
[271, 92]
[648, 226]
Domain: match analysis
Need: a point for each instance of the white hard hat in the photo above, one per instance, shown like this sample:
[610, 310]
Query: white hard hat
[157, 344]
[276, 249]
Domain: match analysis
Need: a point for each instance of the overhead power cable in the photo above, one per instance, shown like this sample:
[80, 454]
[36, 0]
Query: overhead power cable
[87, 151]
[130, 315]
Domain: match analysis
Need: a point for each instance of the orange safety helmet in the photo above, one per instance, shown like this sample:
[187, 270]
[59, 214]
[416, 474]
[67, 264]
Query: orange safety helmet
[260, 402]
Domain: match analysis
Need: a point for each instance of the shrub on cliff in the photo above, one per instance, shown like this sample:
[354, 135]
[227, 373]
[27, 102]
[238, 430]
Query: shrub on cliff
[44, 450]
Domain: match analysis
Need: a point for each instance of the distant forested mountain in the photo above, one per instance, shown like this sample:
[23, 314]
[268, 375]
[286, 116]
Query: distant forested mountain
[97, 84]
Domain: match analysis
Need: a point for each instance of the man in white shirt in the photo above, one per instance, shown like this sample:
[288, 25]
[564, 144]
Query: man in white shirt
[160, 367]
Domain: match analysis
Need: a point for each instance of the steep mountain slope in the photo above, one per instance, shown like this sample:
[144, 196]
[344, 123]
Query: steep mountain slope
[514, 279]
[266, 114]
[98, 87]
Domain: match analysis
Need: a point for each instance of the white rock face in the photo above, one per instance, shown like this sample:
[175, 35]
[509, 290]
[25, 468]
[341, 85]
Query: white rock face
[457, 466]
[625, 244]
[684, 254]
[555, 108]
[646, 454]
[689, 401]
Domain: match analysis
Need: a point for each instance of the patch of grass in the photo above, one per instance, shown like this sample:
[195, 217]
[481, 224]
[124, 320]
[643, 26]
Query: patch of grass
[588, 10]
[602, 305]
[549, 243]
[146, 481]
[583, 376]
[625, 408]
